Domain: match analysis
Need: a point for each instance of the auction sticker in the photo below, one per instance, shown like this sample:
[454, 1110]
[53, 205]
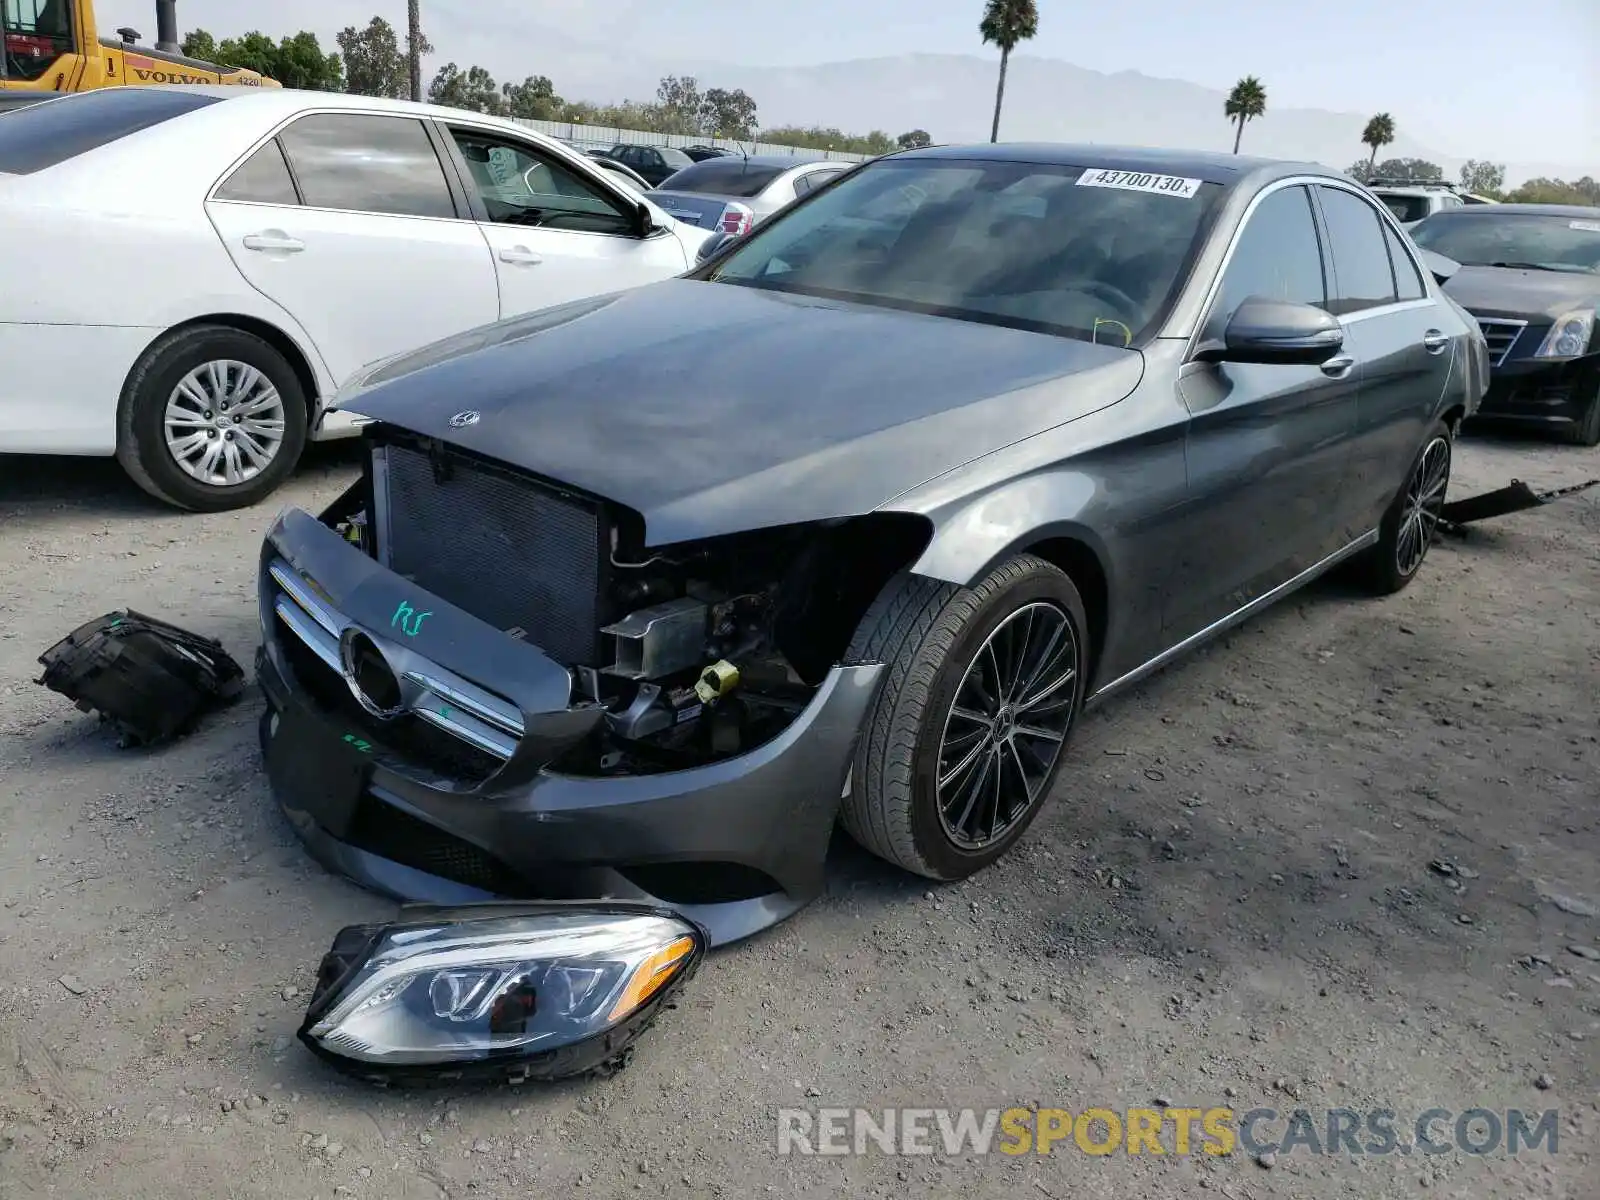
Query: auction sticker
[1139, 181]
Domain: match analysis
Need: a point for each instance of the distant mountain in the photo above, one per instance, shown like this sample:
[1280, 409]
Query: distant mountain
[952, 97]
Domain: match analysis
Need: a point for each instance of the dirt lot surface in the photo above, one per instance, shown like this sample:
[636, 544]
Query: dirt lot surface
[1347, 858]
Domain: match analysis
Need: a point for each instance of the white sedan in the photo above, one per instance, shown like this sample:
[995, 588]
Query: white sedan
[190, 272]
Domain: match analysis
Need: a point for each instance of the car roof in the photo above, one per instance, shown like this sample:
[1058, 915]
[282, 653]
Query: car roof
[1207, 166]
[286, 101]
[1583, 211]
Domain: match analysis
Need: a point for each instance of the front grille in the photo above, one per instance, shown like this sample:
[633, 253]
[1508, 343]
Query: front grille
[501, 546]
[1501, 333]
[406, 737]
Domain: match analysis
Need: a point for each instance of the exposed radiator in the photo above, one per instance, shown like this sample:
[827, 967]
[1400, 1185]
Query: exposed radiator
[524, 557]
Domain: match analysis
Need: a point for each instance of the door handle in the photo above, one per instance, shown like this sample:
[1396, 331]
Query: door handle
[520, 256]
[273, 239]
[1339, 366]
[1434, 341]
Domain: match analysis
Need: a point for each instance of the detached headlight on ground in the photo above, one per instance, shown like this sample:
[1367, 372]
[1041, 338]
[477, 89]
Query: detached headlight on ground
[517, 991]
[1569, 336]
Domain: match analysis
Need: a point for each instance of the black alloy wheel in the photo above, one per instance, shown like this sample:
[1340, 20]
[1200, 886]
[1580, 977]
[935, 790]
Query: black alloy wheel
[967, 731]
[1007, 725]
[1423, 505]
[1411, 524]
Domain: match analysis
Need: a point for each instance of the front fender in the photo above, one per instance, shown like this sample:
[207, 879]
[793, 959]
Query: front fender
[974, 535]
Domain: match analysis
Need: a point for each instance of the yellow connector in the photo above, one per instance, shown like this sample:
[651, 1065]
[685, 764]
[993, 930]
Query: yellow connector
[719, 679]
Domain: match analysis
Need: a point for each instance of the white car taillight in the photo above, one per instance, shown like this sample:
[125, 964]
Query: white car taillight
[737, 219]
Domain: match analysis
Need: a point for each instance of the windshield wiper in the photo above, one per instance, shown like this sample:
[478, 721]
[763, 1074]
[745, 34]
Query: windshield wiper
[1533, 266]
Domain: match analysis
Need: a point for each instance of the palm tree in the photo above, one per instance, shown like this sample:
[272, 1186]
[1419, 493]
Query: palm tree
[1006, 23]
[1378, 134]
[1246, 102]
[414, 45]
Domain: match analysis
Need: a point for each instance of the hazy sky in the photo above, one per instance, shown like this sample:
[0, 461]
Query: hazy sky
[1467, 76]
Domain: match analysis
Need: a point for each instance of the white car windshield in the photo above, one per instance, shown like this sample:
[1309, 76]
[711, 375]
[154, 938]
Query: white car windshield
[1068, 249]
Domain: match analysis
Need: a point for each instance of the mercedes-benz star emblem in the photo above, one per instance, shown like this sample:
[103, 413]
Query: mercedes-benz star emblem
[372, 681]
[462, 419]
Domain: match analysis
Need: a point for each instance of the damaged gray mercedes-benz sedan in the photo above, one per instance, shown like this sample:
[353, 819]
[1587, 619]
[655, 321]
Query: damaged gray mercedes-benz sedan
[638, 597]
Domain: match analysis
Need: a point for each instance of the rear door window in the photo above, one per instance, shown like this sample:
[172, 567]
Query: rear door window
[1408, 281]
[44, 135]
[1361, 267]
[358, 163]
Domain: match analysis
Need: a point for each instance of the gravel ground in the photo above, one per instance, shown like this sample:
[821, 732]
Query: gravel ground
[1346, 857]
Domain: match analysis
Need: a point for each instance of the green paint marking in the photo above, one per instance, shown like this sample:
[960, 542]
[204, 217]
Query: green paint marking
[407, 619]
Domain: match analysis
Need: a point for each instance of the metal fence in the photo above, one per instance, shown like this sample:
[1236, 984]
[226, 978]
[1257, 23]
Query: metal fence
[603, 137]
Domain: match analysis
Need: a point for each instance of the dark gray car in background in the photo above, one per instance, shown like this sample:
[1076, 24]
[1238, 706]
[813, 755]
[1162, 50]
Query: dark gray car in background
[638, 596]
[1530, 276]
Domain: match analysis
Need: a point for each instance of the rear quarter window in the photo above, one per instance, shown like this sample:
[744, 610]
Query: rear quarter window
[44, 135]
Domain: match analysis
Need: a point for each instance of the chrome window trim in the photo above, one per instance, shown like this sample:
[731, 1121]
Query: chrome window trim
[1214, 288]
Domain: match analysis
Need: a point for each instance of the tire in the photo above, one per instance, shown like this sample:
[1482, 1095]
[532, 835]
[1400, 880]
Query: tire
[1585, 431]
[209, 360]
[929, 634]
[1394, 562]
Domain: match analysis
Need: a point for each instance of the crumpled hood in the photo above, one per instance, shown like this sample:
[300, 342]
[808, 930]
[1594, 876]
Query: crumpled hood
[1528, 295]
[710, 408]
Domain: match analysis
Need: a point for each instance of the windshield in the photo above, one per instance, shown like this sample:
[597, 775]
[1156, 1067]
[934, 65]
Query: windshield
[1406, 209]
[1071, 250]
[36, 33]
[723, 177]
[1541, 241]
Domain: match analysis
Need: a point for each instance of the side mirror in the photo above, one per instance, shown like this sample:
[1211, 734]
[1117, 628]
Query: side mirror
[1276, 331]
[714, 244]
[644, 221]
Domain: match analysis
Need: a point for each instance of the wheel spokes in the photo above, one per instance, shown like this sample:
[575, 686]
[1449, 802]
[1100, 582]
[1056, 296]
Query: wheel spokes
[993, 763]
[224, 422]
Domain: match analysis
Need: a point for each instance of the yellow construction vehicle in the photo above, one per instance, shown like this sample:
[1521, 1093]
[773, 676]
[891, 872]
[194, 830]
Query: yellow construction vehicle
[54, 46]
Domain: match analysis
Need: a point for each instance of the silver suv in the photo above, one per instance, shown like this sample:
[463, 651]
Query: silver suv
[1413, 200]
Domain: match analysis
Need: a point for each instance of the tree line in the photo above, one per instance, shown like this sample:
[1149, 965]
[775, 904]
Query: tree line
[376, 61]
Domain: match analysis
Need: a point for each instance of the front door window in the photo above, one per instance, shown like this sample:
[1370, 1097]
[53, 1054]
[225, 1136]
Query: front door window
[521, 187]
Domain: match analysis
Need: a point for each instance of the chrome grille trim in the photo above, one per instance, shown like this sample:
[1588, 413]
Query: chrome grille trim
[1502, 334]
[447, 701]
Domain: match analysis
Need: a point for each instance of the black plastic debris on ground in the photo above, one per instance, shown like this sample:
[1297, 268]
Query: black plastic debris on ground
[150, 679]
[1515, 497]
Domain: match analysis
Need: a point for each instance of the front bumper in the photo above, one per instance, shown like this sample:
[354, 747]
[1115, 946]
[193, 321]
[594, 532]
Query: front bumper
[1540, 392]
[736, 845]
